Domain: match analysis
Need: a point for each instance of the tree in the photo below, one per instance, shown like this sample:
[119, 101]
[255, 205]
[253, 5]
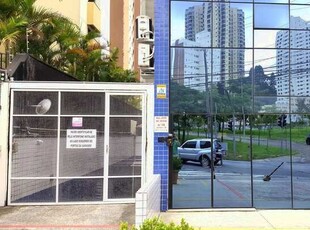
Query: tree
[17, 17]
[85, 58]
[55, 40]
[51, 43]
[185, 99]
[111, 72]
[263, 85]
[269, 121]
[11, 24]
[199, 122]
[302, 106]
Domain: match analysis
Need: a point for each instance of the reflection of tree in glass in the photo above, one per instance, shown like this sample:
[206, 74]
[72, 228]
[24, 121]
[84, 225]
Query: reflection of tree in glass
[126, 104]
[302, 106]
[184, 99]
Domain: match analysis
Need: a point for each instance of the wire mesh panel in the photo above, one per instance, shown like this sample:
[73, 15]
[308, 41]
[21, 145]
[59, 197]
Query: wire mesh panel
[34, 147]
[63, 151]
[125, 146]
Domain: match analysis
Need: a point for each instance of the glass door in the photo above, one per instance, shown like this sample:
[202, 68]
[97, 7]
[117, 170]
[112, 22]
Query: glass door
[192, 184]
[272, 182]
[232, 178]
[300, 149]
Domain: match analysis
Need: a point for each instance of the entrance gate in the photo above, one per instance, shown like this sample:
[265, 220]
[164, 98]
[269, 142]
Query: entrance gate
[78, 143]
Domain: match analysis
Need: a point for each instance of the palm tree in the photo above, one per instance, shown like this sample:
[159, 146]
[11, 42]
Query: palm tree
[20, 17]
[11, 24]
[55, 40]
[85, 57]
[113, 73]
[51, 41]
[10, 30]
[88, 63]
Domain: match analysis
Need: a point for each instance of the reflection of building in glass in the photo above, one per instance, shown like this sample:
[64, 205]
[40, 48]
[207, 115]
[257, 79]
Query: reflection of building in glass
[293, 66]
[189, 67]
[227, 28]
[194, 21]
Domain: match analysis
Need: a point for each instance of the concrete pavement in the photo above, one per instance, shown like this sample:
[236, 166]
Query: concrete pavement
[110, 216]
[67, 216]
[241, 218]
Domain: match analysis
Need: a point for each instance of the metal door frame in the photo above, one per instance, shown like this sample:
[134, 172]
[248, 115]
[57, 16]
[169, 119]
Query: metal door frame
[145, 90]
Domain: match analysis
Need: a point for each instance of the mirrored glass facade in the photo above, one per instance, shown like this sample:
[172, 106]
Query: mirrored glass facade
[239, 73]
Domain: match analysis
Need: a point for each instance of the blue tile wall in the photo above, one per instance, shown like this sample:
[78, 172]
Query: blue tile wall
[161, 58]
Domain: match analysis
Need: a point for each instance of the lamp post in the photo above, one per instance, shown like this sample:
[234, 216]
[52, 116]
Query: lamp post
[208, 107]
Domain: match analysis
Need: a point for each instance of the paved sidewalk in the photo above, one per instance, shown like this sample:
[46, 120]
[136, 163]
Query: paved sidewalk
[108, 217]
[241, 219]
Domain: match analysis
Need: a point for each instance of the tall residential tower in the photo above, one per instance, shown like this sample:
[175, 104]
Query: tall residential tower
[217, 26]
[227, 30]
[293, 73]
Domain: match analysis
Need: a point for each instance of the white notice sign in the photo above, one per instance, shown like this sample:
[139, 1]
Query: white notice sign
[81, 138]
[161, 124]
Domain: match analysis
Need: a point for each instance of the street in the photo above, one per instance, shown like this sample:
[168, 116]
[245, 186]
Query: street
[232, 184]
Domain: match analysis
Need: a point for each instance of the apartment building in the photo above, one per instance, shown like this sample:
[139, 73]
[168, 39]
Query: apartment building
[292, 66]
[192, 67]
[115, 20]
[122, 28]
[121, 34]
[85, 13]
[226, 29]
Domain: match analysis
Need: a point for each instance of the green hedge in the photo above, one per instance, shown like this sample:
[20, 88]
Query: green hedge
[157, 224]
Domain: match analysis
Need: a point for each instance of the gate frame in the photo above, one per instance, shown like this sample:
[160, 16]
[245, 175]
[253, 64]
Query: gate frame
[109, 88]
[4, 138]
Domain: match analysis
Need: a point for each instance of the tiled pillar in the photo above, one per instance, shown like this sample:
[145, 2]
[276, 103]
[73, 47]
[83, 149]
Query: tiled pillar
[161, 27]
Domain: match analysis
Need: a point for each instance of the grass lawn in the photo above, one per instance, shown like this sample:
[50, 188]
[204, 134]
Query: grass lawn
[258, 151]
[298, 134]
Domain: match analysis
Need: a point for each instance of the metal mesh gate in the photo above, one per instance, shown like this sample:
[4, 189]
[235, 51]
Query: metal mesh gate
[72, 146]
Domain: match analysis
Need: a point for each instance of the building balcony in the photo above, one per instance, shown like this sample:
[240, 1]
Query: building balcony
[93, 17]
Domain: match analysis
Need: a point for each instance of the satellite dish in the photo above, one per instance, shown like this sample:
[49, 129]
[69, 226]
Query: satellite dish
[43, 106]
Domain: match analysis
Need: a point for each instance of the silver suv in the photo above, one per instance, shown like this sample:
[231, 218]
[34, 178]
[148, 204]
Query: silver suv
[200, 150]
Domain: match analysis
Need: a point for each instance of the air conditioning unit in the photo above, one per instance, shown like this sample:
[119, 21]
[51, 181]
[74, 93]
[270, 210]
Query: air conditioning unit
[145, 55]
[144, 29]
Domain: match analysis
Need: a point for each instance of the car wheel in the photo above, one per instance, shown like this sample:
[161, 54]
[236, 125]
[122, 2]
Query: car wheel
[205, 161]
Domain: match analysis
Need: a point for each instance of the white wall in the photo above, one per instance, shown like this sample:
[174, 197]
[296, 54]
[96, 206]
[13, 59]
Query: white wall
[148, 200]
